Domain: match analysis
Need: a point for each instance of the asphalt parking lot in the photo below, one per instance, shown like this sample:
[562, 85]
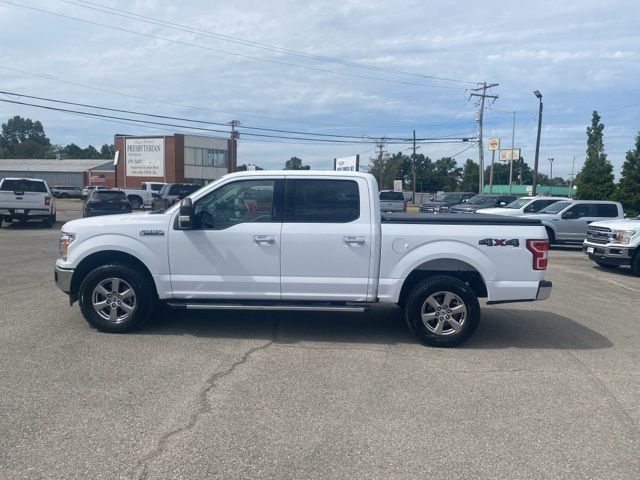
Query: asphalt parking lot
[543, 390]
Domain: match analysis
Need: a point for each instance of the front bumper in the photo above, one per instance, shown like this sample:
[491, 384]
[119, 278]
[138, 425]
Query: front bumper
[63, 278]
[620, 254]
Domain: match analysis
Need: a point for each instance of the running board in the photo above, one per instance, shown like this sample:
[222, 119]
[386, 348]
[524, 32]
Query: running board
[269, 307]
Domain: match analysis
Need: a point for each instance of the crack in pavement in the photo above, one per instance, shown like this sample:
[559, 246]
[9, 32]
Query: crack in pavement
[202, 407]
[22, 289]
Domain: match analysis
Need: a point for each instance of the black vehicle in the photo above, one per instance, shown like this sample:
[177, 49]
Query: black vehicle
[482, 201]
[60, 191]
[171, 193]
[106, 202]
[444, 200]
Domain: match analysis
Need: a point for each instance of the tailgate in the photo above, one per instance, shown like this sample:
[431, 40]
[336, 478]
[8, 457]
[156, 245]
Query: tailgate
[23, 200]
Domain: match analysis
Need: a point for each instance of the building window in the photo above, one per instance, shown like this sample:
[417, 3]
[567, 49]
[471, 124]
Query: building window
[207, 157]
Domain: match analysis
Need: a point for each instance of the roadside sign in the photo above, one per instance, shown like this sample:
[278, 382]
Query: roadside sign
[116, 158]
[493, 144]
[251, 168]
[508, 154]
[397, 185]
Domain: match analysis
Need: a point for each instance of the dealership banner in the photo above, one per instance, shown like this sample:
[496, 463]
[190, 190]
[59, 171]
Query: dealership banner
[347, 164]
[145, 157]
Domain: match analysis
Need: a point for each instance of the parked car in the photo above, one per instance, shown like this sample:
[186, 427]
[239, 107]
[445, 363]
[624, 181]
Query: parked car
[523, 206]
[392, 201]
[106, 202]
[567, 220]
[25, 199]
[60, 191]
[88, 189]
[444, 200]
[483, 200]
[290, 240]
[613, 243]
[171, 193]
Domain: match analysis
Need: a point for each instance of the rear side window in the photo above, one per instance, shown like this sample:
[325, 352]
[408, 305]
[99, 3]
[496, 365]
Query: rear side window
[23, 186]
[397, 196]
[322, 201]
[606, 210]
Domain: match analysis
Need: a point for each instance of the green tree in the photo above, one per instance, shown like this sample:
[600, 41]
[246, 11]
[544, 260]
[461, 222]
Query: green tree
[90, 152]
[295, 163]
[628, 189]
[595, 179]
[72, 151]
[107, 151]
[447, 174]
[470, 174]
[24, 138]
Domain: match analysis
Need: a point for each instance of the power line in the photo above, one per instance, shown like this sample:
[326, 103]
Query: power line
[203, 47]
[240, 41]
[203, 122]
[323, 140]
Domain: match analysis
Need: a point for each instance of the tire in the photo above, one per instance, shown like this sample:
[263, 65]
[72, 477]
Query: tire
[136, 291]
[435, 293]
[635, 263]
[606, 265]
[48, 222]
[551, 235]
[136, 202]
[64, 195]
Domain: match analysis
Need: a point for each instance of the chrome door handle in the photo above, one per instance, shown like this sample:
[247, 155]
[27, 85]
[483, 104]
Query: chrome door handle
[264, 239]
[354, 241]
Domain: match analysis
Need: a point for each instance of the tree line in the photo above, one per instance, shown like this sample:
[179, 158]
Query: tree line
[25, 138]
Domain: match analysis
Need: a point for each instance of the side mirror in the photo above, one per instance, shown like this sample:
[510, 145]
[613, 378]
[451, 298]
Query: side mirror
[503, 204]
[568, 215]
[185, 216]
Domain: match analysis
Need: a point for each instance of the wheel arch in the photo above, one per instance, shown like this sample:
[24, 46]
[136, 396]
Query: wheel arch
[105, 257]
[444, 266]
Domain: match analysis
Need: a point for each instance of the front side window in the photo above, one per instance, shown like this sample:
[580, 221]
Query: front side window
[322, 201]
[581, 210]
[234, 203]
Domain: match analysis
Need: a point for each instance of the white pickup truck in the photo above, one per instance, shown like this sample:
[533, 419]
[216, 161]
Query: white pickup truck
[143, 196]
[613, 243]
[288, 240]
[25, 199]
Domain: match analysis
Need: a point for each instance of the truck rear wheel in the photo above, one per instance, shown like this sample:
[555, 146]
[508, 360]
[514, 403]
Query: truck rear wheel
[442, 311]
[635, 263]
[116, 298]
[135, 201]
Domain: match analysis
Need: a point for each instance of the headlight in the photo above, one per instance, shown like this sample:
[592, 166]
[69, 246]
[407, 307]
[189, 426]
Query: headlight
[622, 236]
[64, 241]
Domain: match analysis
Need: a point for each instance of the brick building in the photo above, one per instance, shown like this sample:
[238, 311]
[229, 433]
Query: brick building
[173, 158]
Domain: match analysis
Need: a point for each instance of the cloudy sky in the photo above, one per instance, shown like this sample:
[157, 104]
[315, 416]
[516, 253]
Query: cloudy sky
[354, 68]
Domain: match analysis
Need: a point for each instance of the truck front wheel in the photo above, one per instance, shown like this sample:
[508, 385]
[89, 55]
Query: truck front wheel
[116, 298]
[442, 311]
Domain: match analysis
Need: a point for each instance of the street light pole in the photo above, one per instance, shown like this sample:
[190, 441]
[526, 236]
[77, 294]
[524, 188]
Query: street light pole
[550, 174]
[513, 135]
[535, 165]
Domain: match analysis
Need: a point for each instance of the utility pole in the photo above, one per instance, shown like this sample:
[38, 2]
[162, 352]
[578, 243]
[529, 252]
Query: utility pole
[513, 137]
[233, 160]
[414, 166]
[482, 96]
[535, 164]
[380, 146]
[551, 174]
[571, 180]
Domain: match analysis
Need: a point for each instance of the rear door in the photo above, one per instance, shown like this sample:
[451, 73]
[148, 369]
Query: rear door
[605, 211]
[326, 239]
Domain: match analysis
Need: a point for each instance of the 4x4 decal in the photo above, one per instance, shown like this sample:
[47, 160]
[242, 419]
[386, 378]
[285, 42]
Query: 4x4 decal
[499, 242]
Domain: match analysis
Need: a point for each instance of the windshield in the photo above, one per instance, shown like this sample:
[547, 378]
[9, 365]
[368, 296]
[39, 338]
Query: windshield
[447, 197]
[555, 207]
[481, 200]
[519, 203]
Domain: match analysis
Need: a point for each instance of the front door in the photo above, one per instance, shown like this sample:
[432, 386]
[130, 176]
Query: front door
[233, 251]
[574, 221]
[326, 240]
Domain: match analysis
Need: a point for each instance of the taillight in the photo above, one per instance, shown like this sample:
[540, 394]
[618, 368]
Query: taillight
[539, 249]
[47, 200]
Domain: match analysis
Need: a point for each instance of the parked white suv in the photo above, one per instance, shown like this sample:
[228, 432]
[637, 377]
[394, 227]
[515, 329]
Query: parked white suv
[567, 220]
[522, 206]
